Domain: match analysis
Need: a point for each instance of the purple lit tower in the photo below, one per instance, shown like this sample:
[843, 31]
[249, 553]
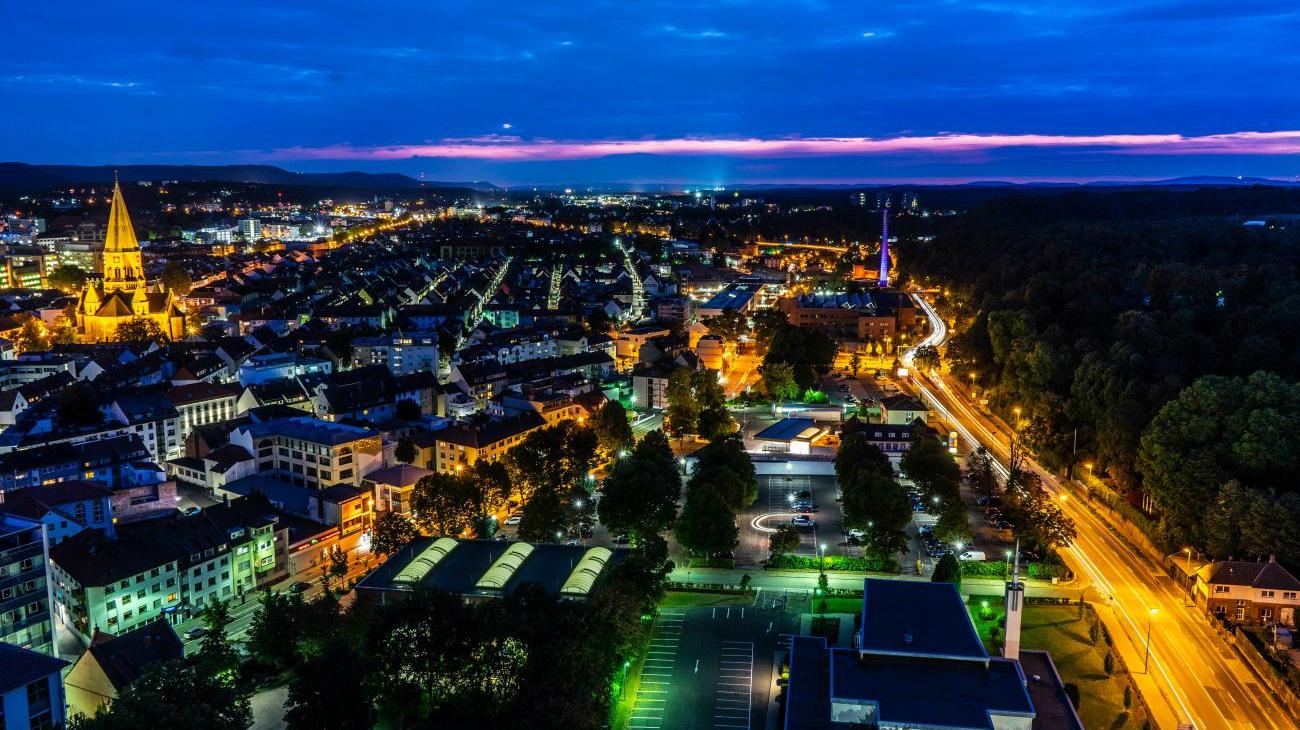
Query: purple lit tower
[883, 280]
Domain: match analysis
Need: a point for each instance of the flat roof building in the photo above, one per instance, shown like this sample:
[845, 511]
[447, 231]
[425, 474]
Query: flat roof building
[918, 663]
[485, 569]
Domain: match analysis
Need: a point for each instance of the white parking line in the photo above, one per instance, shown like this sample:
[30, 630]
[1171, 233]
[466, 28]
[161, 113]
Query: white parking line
[732, 694]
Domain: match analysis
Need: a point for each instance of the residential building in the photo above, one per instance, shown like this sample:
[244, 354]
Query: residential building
[112, 662]
[629, 343]
[269, 366]
[31, 689]
[901, 410]
[877, 315]
[25, 590]
[392, 487]
[402, 353]
[165, 568]
[1249, 593]
[199, 404]
[459, 445]
[65, 508]
[310, 452]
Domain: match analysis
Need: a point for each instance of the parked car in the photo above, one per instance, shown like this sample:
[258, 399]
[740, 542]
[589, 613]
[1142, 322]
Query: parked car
[501, 537]
[973, 555]
[802, 521]
[198, 632]
[299, 587]
[804, 506]
[805, 494]
[621, 540]
[514, 519]
[191, 511]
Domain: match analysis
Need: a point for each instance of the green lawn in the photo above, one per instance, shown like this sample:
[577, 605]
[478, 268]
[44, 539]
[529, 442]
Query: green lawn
[691, 599]
[844, 605]
[1060, 631]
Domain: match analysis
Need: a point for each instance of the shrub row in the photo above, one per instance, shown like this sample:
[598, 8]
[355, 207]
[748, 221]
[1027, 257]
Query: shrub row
[998, 569]
[869, 564]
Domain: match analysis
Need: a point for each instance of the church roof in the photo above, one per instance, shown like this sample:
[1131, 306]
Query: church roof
[121, 235]
[116, 304]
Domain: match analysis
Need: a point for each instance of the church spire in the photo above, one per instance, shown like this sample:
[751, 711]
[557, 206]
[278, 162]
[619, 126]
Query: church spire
[121, 236]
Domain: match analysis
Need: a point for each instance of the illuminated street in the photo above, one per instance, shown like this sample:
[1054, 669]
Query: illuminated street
[1194, 676]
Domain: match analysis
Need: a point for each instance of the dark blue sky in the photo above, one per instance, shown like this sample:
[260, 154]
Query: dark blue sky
[696, 91]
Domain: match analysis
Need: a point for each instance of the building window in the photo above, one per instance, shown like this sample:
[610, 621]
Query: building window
[1220, 589]
[1266, 594]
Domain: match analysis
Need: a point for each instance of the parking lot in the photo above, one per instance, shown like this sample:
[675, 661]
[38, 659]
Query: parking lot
[776, 505]
[712, 668]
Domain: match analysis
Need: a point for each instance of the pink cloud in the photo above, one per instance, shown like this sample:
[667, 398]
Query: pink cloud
[502, 148]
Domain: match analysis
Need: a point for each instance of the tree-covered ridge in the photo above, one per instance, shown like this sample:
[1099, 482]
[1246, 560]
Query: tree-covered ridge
[1155, 326]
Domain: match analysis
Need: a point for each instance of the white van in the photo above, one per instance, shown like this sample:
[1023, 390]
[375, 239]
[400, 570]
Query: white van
[973, 555]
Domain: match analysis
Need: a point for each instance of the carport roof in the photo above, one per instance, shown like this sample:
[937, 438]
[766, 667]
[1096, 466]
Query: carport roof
[789, 429]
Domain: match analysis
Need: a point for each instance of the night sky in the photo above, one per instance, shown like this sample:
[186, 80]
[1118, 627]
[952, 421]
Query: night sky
[679, 92]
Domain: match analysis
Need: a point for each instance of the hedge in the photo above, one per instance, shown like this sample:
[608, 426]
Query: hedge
[998, 569]
[869, 564]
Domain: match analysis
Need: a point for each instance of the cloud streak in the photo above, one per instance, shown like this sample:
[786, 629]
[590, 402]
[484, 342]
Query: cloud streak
[502, 148]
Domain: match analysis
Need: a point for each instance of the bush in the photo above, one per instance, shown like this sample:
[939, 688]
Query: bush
[869, 564]
[997, 569]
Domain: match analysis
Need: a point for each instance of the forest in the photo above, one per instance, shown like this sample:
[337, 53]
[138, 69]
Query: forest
[1150, 334]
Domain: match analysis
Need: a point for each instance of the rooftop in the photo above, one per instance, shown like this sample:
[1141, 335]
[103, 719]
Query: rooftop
[311, 429]
[926, 692]
[486, 568]
[912, 618]
[19, 666]
[790, 429]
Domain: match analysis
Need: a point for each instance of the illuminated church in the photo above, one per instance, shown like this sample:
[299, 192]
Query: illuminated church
[123, 294]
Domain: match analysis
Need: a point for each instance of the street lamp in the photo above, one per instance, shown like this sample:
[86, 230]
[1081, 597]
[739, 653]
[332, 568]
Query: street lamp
[1147, 659]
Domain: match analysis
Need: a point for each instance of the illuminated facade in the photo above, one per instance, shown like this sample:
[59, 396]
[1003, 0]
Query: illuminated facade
[122, 294]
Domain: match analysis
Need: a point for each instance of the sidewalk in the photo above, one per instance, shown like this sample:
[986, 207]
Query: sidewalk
[847, 580]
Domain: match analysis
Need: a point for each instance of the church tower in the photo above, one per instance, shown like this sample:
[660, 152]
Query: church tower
[122, 294]
[123, 262]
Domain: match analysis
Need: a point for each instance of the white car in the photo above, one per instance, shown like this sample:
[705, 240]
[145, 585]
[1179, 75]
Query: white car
[802, 521]
[514, 519]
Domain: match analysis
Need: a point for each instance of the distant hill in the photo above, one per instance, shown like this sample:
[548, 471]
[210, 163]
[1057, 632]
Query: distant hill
[20, 175]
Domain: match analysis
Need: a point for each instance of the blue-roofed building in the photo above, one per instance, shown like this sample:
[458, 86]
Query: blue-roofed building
[738, 297]
[790, 435]
[918, 663]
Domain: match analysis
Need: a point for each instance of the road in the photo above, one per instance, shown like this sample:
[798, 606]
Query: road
[1194, 677]
[241, 614]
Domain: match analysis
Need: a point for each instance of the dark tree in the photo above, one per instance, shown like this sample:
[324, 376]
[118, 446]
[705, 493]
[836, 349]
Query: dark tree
[443, 504]
[330, 691]
[391, 532]
[140, 331]
[785, 540]
[67, 278]
[405, 450]
[706, 526]
[725, 466]
[176, 278]
[613, 430]
[408, 410]
[874, 501]
[640, 494]
[947, 570]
